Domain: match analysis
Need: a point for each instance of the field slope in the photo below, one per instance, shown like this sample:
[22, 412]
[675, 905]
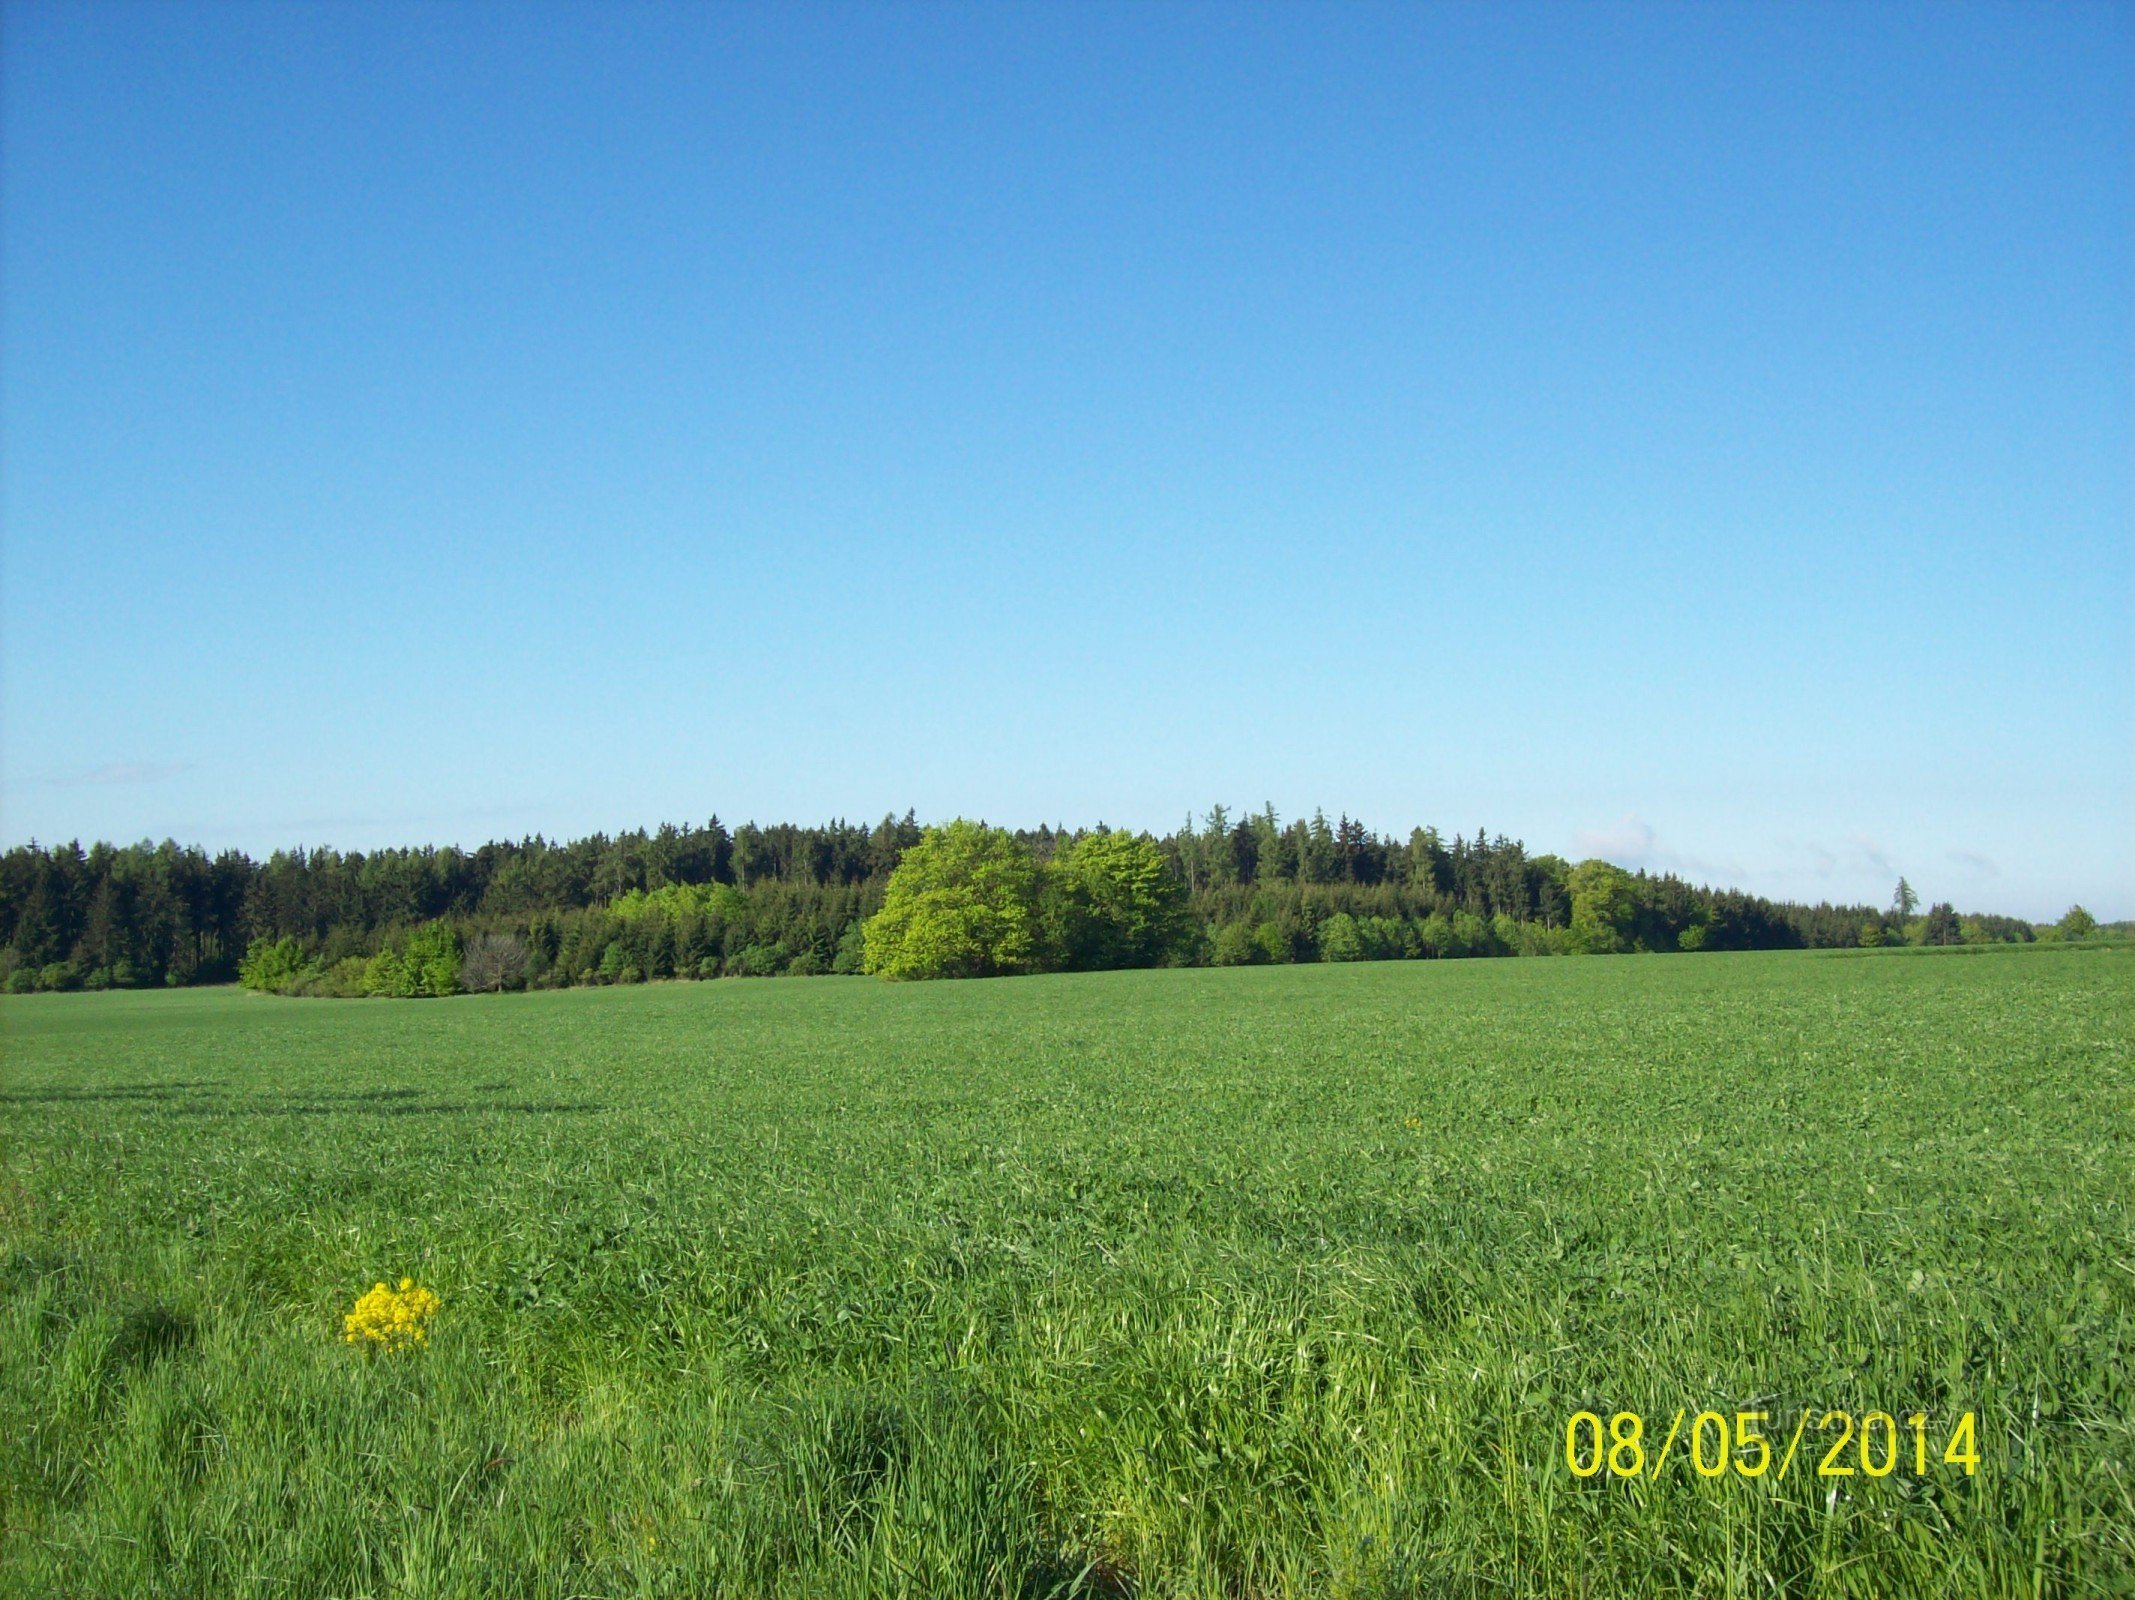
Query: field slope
[1269, 1281]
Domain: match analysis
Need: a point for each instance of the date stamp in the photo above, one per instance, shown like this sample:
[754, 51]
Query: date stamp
[1874, 1444]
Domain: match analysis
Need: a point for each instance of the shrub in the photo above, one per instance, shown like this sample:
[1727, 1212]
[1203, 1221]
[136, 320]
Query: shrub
[758, 961]
[852, 950]
[1339, 940]
[1437, 936]
[1472, 934]
[493, 962]
[1235, 946]
[273, 966]
[426, 964]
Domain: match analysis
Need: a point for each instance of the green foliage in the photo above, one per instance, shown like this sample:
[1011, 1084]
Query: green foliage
[851, 954]
[1692, 938]
[1339, 940]
[1117, 903]
[2076, 923]
[1281, 1282]
[1235, 946]
[675, 900]
[274, 965]
[963, 903]
[426, 964]
[1276, 944]
[1604, 908]
[698, 902]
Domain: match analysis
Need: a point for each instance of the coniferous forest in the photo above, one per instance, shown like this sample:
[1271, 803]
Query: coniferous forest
[760, 901]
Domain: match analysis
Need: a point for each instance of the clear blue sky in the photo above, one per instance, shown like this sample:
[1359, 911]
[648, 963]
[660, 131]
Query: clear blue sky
[1699, 435]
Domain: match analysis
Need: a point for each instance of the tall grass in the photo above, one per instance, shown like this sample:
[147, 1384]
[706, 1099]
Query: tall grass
[1267, 1281]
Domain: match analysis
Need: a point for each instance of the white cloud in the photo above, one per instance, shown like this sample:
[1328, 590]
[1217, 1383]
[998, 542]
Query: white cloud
[1629, 843]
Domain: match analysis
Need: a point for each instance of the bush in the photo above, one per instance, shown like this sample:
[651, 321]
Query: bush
[493, 962]
[1472, 934]
[1235, 946]
[852, 950]
[1339, 940]
[274, 966]
[759, 961]
[425, 965]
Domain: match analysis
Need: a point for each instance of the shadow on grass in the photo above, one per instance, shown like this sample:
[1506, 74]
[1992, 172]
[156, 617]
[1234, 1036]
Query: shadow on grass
[323, 1107]
[109, 1092]
[146, 1335]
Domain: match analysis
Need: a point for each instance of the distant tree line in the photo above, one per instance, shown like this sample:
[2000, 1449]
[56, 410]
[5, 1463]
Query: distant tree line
[706, 901]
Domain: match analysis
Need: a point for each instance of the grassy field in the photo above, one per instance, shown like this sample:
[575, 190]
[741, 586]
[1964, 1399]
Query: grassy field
[1264, 1281]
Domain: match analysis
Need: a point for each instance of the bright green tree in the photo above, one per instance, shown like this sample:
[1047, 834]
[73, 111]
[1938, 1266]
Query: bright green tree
[2076, 923]
[273, 964]
[1117, 904]
[1604, 906]
[963, 903]
[1339, 939]
[1235, 946]
[426, 964]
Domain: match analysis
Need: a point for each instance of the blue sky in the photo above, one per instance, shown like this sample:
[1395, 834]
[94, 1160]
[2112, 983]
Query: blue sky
[1696, 435]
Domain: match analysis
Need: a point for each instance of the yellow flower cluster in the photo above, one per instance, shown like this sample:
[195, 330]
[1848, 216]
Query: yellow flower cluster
[392, 1319]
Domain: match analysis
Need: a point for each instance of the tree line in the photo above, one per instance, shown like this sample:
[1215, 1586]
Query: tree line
[705, 901]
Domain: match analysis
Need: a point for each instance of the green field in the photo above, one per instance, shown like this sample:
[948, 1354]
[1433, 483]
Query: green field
[1262, 1281]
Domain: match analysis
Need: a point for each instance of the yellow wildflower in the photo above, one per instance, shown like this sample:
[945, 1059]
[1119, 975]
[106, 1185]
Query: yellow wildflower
[391, 1319]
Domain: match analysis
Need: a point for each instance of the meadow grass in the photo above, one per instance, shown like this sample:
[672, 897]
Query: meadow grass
[1268, 1281]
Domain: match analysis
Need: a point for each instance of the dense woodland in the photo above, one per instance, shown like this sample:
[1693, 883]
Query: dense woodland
[707, 901]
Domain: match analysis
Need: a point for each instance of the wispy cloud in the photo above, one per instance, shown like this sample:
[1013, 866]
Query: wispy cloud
[1975, 863]
[122, 772]
[1628, 843]
[1865, 855]
[1633, 843]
